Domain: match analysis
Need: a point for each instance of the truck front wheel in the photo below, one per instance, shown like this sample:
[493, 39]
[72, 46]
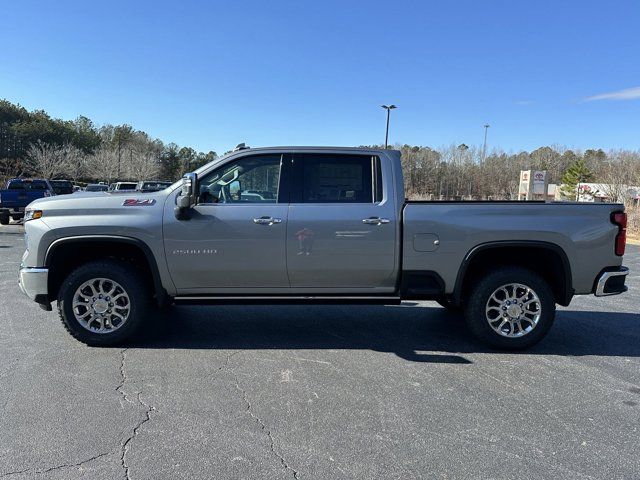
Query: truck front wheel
[511, 308]
[104, 302]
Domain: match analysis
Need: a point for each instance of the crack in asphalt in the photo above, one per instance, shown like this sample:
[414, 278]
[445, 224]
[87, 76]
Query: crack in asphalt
[263, 427]
[123, 377]
[125, 446]
[258, 420]
[33, 471]
[226, 362]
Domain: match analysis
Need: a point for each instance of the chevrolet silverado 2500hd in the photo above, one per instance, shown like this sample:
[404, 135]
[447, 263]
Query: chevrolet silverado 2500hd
[305, 224]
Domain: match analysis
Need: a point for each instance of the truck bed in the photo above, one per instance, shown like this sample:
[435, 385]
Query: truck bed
[440, 234]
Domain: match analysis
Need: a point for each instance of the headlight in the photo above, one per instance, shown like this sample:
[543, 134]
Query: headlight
[32, 215]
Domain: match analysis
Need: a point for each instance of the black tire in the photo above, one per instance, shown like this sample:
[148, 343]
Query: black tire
[4, 219]
[132, 282]
[478, 298]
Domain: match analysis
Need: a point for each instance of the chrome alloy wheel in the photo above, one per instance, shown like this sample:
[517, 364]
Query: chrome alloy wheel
[101, 305]
[513, 310]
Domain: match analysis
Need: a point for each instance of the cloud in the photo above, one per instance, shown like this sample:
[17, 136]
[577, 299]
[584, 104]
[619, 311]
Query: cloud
[524, 102]
[626, 94]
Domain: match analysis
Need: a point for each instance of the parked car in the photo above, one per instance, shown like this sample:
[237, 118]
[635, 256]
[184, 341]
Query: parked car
[152, 185]
[20, 192]
[338, 230]
[97, 187]
[61, 187]
[115, 187]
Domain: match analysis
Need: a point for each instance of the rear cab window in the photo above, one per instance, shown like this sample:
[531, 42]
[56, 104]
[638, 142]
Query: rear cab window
[28, 185]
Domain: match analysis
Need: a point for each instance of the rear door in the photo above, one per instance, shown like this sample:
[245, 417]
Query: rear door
[342, 227]
[235, 239]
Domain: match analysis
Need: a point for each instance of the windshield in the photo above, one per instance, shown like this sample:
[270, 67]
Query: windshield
[96, 188]
[154, 186]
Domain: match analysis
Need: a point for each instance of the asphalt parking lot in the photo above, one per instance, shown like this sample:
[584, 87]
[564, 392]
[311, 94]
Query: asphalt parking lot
[319, 392]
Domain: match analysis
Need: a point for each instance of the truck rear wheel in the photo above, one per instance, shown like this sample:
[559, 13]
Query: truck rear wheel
[511, 308]
[4, 219]
[104, 302]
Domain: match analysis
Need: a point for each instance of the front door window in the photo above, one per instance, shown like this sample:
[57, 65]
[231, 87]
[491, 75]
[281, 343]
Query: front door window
[249, 180]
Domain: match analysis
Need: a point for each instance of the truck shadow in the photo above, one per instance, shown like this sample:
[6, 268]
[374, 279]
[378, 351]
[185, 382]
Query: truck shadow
[413, 332]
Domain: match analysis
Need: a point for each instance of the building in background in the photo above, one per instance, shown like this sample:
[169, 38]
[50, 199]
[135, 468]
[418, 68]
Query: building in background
[603, 193]
[534, 186]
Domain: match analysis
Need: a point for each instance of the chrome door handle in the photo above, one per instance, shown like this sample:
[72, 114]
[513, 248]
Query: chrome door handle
[375, 220]
[267, 220]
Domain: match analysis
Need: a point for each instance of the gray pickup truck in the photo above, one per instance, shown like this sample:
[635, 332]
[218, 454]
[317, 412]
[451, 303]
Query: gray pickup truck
[314, 225]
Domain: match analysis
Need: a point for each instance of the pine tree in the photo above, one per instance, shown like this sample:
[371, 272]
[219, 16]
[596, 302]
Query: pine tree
[576, 173]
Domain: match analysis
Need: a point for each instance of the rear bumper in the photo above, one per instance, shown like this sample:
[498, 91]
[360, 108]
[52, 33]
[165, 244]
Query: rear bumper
[33, 283]
[611, 282]
[12, 210]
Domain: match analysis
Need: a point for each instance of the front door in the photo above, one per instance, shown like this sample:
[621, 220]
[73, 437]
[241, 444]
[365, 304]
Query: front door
[236, 236]
[342, 226]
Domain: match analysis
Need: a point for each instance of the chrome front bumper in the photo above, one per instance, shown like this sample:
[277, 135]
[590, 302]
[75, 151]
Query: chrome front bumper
[33, 283]
[611, 282]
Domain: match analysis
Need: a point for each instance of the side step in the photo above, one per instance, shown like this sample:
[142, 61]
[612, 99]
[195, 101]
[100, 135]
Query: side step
[286, 300]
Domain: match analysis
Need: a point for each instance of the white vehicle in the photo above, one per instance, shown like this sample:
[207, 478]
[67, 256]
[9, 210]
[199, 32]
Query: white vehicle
[123, 186]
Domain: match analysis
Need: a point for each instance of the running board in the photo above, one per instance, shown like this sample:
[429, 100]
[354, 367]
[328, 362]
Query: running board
[286, 300]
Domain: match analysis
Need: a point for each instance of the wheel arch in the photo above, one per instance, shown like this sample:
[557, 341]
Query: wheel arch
[67, 253]
[511, 253]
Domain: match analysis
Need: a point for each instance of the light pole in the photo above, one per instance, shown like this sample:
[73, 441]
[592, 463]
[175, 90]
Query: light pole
[388, 108]
[484, 146]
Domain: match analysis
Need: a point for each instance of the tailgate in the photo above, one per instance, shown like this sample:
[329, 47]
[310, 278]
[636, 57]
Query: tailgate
[13, 198]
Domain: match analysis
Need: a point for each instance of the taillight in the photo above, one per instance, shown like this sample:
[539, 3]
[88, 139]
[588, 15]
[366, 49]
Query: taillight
[620, 219]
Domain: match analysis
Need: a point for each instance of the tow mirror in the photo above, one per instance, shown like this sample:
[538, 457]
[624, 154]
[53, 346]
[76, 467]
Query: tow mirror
[188, 196]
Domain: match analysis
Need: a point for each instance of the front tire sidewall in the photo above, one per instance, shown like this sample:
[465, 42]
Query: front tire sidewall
[475, 314]
[131, 282]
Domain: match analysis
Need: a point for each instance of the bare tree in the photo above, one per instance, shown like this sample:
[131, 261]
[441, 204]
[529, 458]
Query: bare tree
[103, 164]
[74, 161]
[142, 164]
[45, 159]
[53, 161]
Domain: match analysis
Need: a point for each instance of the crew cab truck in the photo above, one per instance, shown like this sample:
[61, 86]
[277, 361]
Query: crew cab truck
[20, 192]
[330, 225]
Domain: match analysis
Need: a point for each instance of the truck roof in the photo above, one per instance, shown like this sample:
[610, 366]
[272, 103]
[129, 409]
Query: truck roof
[310, 147]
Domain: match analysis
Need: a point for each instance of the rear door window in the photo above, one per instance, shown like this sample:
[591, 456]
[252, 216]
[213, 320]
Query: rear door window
[329, 178]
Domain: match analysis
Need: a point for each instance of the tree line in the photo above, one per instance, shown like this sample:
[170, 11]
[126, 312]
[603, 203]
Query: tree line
[35, 144]
[462, 172]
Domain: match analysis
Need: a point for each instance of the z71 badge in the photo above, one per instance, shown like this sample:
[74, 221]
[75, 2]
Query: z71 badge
[139, 202]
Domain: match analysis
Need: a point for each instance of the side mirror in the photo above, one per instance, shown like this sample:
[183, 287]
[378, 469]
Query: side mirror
[188, 196]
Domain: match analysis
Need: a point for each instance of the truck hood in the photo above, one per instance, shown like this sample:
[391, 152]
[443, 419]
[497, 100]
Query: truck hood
[98, 203]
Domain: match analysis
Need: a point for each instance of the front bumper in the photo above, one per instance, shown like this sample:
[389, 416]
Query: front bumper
[611, 282]
[33, 282]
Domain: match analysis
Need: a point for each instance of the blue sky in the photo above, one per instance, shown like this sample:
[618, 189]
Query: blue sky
[213, 74]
